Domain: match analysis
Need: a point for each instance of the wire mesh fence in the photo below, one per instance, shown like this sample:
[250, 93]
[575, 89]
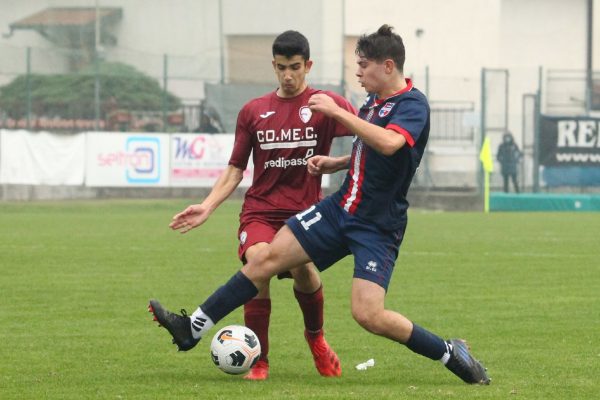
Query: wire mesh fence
[104, 72]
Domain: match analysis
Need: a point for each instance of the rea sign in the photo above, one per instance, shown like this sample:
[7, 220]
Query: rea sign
[570, 141]
[578, 133]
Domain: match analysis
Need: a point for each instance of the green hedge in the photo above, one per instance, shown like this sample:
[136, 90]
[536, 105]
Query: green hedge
[72, 95]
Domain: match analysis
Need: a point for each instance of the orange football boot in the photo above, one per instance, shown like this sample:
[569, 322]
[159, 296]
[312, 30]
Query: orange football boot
[259, 372]
[326, 361]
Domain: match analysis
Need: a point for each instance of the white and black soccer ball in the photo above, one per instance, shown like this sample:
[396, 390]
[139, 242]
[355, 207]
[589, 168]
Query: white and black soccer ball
[235, 349]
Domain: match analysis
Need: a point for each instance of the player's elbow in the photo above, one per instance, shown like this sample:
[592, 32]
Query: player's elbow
[235, 174]
[388, 150]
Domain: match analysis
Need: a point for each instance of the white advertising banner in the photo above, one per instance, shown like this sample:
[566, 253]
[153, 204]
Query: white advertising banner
[41, 158]
[122, 159]
[199, 159]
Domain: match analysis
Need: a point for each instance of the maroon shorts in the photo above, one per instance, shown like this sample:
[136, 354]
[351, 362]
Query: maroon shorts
[256, 231]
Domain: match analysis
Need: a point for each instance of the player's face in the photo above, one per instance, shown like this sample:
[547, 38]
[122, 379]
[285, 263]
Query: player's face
[370, 74]
[291, 74]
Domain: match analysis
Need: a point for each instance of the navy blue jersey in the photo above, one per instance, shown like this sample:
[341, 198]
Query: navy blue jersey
[376, 185]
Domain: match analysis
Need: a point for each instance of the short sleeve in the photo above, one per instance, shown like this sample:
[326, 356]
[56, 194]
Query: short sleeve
[409, 119]
[242, 146]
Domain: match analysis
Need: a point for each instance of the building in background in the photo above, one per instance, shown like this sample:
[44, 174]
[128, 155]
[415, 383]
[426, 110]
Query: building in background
[212, 55]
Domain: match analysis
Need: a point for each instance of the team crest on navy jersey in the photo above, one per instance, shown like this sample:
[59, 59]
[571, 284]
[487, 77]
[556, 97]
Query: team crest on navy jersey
[385, 110]
[305, 114]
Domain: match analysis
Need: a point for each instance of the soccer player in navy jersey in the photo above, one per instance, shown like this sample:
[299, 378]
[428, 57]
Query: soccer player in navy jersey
[282, 133]
[366, 217]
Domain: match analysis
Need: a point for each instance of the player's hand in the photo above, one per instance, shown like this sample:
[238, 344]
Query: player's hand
[193, 216]
[318, 165]
[322, 103]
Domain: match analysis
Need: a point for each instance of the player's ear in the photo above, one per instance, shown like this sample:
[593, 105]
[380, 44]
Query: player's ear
[273, 64]
[389, 65]
[308, 64]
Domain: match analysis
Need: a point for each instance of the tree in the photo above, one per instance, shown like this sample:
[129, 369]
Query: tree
[71, 96]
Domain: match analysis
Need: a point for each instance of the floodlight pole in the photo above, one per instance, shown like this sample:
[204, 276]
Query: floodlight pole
[589, 51]
[165, 93]
[96, 71]
[343, 58]
[482, 129]
[28, 88]
[221, 44]
[537, 132]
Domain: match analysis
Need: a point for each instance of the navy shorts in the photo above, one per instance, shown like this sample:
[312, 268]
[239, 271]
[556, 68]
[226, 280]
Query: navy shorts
[328, 233]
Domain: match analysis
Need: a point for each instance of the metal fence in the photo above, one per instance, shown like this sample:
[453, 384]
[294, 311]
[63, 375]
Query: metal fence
[180, 94]
[453, 121]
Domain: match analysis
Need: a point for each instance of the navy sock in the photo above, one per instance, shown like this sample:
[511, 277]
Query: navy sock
[237, 291]
[427, 344]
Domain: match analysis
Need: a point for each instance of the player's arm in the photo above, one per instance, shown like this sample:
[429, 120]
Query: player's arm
[384, 141]
[319, 165]
[224, 186]
[196, 214]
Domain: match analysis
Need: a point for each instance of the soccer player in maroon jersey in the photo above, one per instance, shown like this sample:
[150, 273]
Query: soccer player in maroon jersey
[282, 133]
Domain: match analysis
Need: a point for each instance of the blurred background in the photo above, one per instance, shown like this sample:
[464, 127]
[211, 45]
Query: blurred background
[170, 73]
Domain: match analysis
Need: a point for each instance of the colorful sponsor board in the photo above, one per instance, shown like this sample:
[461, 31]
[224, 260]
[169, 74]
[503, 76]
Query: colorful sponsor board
[114, 159]
[199, 159]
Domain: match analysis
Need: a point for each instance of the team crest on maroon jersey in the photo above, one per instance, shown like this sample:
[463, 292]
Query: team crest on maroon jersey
[305, 114]
[385, 110]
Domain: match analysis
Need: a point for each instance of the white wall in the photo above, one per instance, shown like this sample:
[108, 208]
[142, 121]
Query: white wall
[459, 37]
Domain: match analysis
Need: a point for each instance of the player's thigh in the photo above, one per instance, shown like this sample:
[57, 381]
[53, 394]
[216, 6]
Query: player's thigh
[282, 254]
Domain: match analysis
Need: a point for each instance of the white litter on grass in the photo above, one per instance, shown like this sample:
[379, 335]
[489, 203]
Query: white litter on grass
[365, 365]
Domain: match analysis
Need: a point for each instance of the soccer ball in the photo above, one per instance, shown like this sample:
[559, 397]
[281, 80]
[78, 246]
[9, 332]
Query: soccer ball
[235, 349]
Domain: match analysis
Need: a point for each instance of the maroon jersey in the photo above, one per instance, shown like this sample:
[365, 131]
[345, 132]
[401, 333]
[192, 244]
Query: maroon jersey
[282, 134]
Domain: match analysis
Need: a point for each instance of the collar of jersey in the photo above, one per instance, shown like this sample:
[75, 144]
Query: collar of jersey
[306, 90]
[409, 86]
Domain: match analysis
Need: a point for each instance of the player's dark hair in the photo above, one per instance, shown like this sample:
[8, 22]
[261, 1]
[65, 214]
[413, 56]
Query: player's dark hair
[291, 43]
[382, 45]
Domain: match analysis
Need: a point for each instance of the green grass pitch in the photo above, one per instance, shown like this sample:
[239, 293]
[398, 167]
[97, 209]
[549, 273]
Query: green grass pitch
[75, 278]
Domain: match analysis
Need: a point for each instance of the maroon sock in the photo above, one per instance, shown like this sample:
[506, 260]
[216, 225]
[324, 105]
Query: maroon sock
[312, 309]
[257, 313]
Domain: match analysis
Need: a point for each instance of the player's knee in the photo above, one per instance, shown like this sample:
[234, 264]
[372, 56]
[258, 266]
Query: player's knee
[367, 318]
[264, 263]
[304, 273]
[306, 278]
[255, 270]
